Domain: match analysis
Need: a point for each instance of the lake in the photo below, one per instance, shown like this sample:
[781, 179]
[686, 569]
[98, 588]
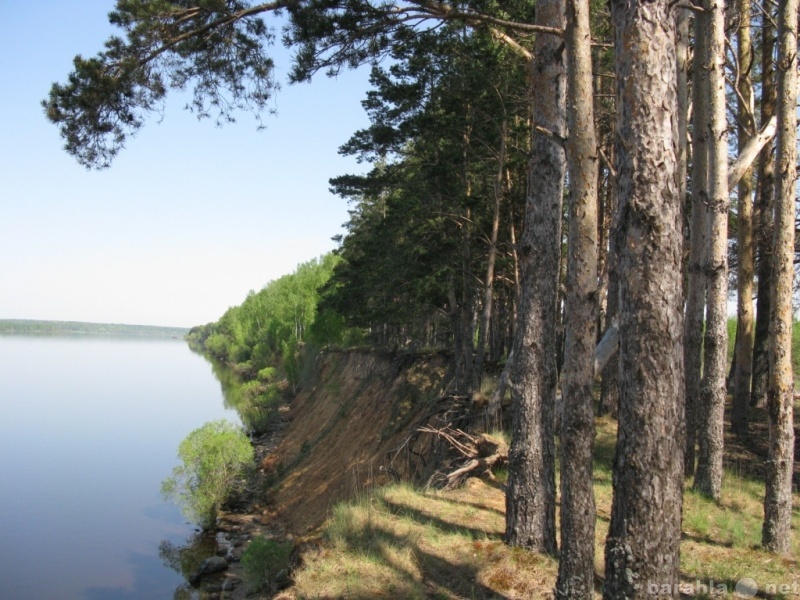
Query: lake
[89, 427]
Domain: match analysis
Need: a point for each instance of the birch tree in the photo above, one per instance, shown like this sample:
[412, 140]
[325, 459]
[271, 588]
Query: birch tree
[696, 284]
[764, 207]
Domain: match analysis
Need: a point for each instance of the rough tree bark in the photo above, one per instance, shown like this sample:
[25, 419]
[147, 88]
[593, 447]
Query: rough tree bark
[776, 534]
[578, 512]
[708, 478]
[531, 491]
[643, 544]
[696, 287]
[743, 359]
[764, 207]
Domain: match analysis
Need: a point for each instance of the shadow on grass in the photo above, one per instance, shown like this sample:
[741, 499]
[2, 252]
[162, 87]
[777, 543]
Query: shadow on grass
[456, 579]
[473, 503]
[706, 540]
[439, 523]
[434, 576]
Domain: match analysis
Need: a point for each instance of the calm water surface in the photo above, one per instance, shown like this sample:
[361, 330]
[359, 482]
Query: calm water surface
[88, 429]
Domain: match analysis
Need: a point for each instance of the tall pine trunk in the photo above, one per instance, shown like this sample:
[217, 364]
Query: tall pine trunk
[578, 512]
[743, 359]
[643, 543]
[776, 533]
[708, 478]
[764, 209]
[531, 491]
[696, 289]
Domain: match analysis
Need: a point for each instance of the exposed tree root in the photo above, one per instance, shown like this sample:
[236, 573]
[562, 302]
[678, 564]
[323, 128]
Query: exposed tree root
[482, 453]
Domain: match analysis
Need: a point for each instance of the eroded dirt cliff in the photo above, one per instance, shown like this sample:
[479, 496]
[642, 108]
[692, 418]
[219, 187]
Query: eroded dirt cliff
[354, 426]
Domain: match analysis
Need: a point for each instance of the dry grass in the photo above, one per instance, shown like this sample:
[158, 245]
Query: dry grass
[403, 543]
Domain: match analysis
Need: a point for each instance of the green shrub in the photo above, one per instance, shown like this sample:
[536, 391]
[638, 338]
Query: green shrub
[290, 361]
[251, 390]
[214, 459]
[256, 418]
[263, 560]
[217, 345]
[267, 373]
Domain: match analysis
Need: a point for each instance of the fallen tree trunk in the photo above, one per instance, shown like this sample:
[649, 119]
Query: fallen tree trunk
[606, 349]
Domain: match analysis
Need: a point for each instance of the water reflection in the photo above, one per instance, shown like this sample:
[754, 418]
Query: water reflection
[185, 559]
[255, 401]
[150, 581]
[231, 383]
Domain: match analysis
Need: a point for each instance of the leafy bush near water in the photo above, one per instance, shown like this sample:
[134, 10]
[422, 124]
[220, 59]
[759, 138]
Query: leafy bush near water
[263, 561]
[214, 458]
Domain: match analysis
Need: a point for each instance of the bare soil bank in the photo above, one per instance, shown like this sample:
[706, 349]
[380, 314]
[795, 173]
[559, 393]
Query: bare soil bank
[354, 425]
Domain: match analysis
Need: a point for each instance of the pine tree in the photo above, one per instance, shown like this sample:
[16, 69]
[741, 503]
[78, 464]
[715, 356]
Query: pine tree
[644, 537]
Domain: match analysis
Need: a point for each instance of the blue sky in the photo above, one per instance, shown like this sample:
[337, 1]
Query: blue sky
[188, 219]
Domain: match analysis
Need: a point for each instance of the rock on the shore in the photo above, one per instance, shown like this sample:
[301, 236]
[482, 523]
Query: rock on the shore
[213, 564]
[230, 583]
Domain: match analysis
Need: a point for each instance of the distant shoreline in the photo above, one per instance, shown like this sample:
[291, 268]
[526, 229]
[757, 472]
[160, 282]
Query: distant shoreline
[36, 327]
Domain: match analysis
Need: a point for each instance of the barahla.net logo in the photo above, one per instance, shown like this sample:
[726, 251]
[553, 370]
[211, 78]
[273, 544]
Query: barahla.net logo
[746, 587]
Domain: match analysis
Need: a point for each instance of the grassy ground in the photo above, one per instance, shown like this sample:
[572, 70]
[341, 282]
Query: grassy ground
[401, 542]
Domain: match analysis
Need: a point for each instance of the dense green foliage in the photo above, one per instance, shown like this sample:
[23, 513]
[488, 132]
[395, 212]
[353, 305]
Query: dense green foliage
[267, 327]
[432, 225]
[448, 142]
[214, 458]
[108, 97]
[259, 342]
[32, 327]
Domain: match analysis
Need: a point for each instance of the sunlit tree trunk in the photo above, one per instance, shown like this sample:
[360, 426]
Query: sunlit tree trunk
[776, 533]
[643, 543]
[531, 491]
[696, 289]
[578, 513]
[708, 478]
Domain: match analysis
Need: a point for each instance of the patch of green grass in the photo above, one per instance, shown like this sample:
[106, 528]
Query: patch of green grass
[697, 514]
[400, 542]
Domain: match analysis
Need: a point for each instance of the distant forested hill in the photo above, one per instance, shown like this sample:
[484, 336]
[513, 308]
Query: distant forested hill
[26, 327]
